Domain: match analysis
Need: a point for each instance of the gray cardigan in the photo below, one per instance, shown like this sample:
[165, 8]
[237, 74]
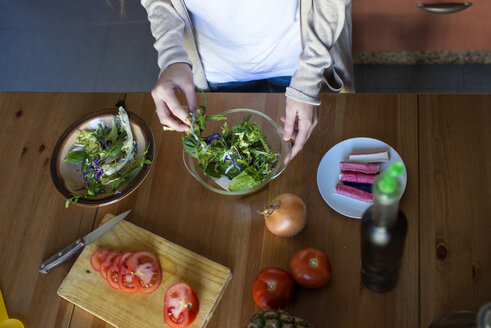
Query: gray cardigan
[325, 61]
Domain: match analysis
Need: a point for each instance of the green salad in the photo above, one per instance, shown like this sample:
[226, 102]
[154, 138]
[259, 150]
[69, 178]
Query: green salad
[106, 156]
[240, 153]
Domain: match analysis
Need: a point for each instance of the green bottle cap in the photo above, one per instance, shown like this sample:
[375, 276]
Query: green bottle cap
[388, 182]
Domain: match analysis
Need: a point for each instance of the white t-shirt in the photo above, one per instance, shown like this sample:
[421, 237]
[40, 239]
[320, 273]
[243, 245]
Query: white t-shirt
[246, 40]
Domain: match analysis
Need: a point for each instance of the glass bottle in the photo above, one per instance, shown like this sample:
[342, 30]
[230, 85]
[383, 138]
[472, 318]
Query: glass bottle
[383, 232]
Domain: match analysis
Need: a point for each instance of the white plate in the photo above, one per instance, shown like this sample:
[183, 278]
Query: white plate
[328, 173]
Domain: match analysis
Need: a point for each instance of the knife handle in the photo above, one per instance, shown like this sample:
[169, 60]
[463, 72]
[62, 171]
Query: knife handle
[61, 256]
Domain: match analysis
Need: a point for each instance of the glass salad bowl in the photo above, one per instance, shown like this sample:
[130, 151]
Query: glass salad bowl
[67, 175]
[232, 159]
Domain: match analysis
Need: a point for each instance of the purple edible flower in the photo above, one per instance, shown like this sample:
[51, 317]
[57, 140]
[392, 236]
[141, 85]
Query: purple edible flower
[96, 165]
[99, 173]
[104, 144]
[117, 193]
[234, 163]
[212, 137]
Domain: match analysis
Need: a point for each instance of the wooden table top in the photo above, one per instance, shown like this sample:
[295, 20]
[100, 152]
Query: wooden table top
[443, 139]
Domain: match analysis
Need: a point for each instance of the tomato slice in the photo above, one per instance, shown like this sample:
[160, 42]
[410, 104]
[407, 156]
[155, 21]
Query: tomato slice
[181, 305]
[108, 261]
[146, 271]
[98, 257]
[125, 277]
[113, 273]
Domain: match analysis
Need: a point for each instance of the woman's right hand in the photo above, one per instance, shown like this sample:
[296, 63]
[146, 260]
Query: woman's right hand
[177, 77]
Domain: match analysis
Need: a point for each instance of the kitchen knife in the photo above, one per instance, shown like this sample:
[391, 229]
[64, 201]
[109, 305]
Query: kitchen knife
[79, 244]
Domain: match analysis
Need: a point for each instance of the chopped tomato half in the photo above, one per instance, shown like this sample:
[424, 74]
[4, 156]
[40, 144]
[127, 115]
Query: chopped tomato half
[112, 275]
[108, 261]
[125, 276]
[146, 270]
[98, 257]
[181, 305]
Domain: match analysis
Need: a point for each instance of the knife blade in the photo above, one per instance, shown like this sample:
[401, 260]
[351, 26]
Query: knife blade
[80, 243]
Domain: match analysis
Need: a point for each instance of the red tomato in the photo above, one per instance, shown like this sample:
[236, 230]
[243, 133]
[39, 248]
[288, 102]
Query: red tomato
[108, 261]
[181, 305]
[125, 277]
[273, 288]
[146, 271]
[98, 257]
[310, 268]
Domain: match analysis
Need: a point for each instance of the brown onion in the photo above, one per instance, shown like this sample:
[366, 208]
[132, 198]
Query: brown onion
[286, 215]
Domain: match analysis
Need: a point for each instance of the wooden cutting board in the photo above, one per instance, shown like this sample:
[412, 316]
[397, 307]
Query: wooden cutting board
[85, 287]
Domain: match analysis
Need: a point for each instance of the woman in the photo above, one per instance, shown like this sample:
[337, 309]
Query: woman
[303, 46]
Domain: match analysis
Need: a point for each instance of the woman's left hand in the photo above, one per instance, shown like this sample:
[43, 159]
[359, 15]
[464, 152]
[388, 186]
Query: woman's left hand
[298, 131]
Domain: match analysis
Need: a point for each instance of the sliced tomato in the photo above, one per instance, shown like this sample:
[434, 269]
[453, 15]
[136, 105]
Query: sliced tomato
[108, 261]
[181, 305]
[98, 257]
[125, 277]
[146, 271]
[112, 275]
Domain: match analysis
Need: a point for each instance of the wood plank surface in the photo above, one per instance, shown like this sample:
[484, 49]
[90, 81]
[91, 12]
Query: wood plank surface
[241, 240]
[455, 185]
[34, 222]
[87, 289]
[449, 130]
[345, 302]
[228, 230]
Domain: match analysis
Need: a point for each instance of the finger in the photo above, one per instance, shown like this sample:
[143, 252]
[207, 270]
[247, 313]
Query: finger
[190, 94]
[301, 138]
[165, 116]
[310, 131]
[175, 107]
[167, 119]
[160, 108]
[295, 126]
[314, 124]
[291, 115]
[294, 134]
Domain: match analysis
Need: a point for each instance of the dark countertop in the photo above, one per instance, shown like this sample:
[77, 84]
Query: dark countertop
[422, 57]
